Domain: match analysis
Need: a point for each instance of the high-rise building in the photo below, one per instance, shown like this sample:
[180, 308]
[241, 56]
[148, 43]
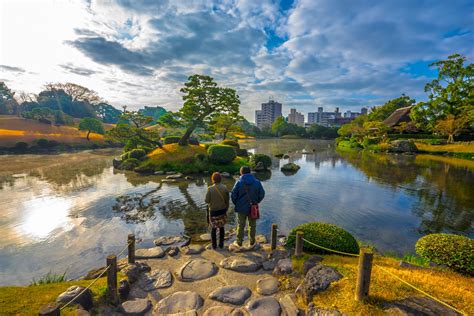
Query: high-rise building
[296, 118]
[269, 112]
[363, 111]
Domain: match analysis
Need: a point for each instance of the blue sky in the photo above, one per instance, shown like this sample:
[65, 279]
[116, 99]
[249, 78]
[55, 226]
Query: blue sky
[304, 53]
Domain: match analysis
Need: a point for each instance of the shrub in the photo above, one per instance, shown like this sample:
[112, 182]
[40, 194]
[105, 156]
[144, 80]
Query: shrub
[241, 152]
[147, 149]
[221, 154]
[125, 156]
[42, 142]
[21, 146]
[53, 143]
[129, 164]
[232, 143]
[137, 153]
[454, 251]
[326, 235]
[266, 160]
[193, 141]
[171, 139]
[200, 156]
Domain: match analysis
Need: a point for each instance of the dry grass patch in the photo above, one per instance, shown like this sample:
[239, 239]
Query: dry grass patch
[458, 147]
[175, 152]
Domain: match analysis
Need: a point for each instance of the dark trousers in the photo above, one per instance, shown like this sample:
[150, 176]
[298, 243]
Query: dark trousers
[214, 237]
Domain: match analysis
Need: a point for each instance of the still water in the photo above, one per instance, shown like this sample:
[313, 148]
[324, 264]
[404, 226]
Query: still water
[60, 213]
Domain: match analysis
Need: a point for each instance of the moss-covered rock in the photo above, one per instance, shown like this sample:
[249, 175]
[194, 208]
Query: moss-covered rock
[402, 146]
[326, 235]
[129, 164]
[260, 161]
[290, 167]
[221, 154]
[136, 153]
[454, 251]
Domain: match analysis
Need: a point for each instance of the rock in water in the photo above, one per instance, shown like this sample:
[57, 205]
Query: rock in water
[264, 306]
[240, 264]
[317, 280]
[196, 269]
[137, 307]
[223, 311]
[290, 167]
[179, 302]
[149, 253]
[267, 286]
[85, 299]
[234, 294]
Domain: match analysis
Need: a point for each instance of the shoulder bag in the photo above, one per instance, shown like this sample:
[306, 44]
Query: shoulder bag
[254, 208]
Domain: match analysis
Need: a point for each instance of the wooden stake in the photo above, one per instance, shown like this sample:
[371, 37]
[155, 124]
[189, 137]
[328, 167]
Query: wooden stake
[363, 277]
[112, 279]
[131, 248]
[299, 244]
[273, 236]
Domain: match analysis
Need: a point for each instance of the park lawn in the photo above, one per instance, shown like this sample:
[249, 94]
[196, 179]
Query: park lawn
[450, 287]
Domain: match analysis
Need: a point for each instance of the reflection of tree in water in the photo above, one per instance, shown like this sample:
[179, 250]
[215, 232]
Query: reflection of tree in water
[138, 207]
[445, 192]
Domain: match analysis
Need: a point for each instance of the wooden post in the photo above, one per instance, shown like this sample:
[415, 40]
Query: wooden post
[112, 279]
[363, 277]
[299, 244]
[51, 309]
[131, 248]
[273, 236]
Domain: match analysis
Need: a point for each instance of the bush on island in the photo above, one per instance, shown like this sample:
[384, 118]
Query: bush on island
[241, 152]
[454, 251]
[42, 142]
[326, 235]
[230, 142]
[136, 153]
[171, 139]
[221, 154]
[129, 164]
[290, 167]
[264, 159]
[21, 146]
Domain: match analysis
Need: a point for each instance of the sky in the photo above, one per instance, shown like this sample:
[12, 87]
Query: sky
[302, 53]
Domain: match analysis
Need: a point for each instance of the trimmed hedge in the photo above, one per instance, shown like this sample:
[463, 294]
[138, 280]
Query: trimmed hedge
[232, 143]
[454, 251]
[171, 139]
[326, 235]
[266, 160]
[221, 154]
[137, 153]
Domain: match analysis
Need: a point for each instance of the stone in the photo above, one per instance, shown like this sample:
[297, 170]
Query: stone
[310, 263]
[267, 286]
[240, 264]
[133, 270]
[124, 289]
[407, 265]
[261, 239]
[233, 294]
[205, 237]
[170, 172]
[172, 241]
[116, 162]
[189, 178]
[172, 251]
[233, 247]
[317, 280]
[402, 146]
[179, 302]
[82, 312]
[288, 305]
[85, 299]
[264, 306]
[156, 279]
[413, 306]
[174, 176]
[269, 265]
[283, 266]
[283, 240]
[290, 167]
[196, 269]
[316, 311]
[149, 253]
[225, 174]
[223, 310]
[169, 181]
[260, 167]
[159, 173]
[137, 307]
[192, 249]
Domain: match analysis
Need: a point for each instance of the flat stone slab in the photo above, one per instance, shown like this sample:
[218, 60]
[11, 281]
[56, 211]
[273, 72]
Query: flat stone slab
[137, 307]
[85, 299]
[234, 294]
[192, 249]
[288, 305]
[179, 302]
[168, 240]
[196, 269]
[149, 253]
[269, 265]
[205, 237]
[156, 279]
[240, 264]
[267, 286]
[174, 176]
[264, 306]
[224, 311]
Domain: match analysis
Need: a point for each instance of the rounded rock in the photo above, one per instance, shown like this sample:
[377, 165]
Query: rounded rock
[240, 264]
[192, 249]
[149, 253]
[267, 306]
[157, 279]
[267, 286]
[137, 307]
[224, 311]
[196, 269]
[85, 299]
[179, 302]
[234, 294]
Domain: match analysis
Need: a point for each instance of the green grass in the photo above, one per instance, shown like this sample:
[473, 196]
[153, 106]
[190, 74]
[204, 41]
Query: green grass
[50, 278]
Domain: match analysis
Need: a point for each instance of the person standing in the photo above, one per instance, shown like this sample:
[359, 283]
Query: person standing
[247, 191]
[217, 199]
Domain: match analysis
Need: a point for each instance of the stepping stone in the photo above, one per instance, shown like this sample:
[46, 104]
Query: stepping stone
[269, 265]
[149, 253]
[133, 270]
[267, 286]
[179, 302]
[264, 306]
[196, 269]
[157, 279]
[234, 294]
[172, 251]
[223, 311]
[245, 247]
[261, 239]
[167, 240]
[240, 264]
[192, 249]
[174, 176]
[284, 266]
[137, 307]
[288, 305]
[205, 237]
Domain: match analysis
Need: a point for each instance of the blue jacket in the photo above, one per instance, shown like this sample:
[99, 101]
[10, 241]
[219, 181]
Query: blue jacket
[239, 195]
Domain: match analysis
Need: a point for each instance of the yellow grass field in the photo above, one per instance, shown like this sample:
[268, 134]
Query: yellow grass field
[15, 129]
[458, 147]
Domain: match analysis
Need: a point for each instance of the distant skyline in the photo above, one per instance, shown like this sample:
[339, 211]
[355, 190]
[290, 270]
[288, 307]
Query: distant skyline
[304, 53]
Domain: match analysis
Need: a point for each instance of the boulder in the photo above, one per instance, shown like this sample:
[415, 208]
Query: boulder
[136, 307]
[196, 269]
[156, 279]
[310, 263]
[124, 289]
[159, 173]
[264, 306]
[283, 266]
[116, 162]
[234, 294]
[290, 167]
[133, 270]
[267, 286]
[223, 310]
[240, 264]
[412, 306]
[179, 302]
[316, 311]
[402, 146]
[317, 280]
[192, 249]
[149, 253]
[269, 265]
[85, 299]
[288, 305]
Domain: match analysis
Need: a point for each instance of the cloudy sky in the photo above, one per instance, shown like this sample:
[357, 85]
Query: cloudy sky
[303, 53]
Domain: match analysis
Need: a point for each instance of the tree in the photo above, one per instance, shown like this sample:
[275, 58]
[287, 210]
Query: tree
[451, 126]
[8, 104]
[225, 123]
[91, 124]
[107, 113]
[382, 112]
[203, 100]
[452, 93]
[354, 129]
[170, 119]
[76, 92]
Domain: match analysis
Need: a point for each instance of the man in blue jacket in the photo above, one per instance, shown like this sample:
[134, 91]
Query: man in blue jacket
[247, 190]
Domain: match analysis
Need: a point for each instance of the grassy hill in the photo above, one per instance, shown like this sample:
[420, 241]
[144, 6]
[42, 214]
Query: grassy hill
[15, 129]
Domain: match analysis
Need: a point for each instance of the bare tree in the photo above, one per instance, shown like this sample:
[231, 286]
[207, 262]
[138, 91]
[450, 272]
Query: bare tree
[77, 92]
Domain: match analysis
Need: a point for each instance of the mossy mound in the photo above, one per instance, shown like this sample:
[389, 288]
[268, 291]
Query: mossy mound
[290, 167]
[326, 235]
[454, 251]
[260, 161]
[221, 154]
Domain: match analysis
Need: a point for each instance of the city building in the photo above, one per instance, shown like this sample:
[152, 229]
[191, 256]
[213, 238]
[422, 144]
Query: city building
[333, 119]
[296, 118]
[268, 113]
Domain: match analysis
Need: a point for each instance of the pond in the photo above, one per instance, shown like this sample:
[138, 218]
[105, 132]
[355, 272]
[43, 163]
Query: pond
[60, 213]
